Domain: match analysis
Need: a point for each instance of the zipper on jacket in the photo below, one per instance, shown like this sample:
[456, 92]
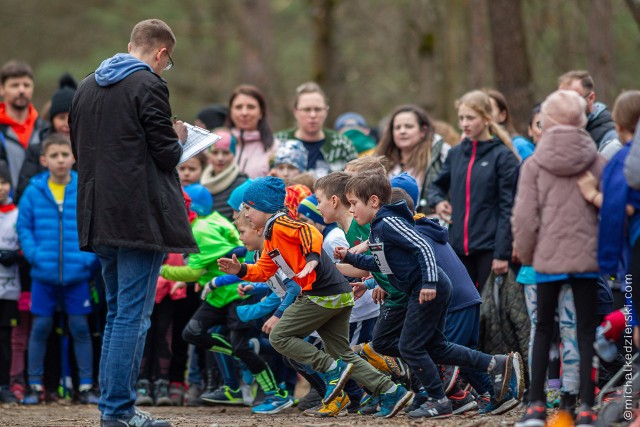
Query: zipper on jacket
[474, 147]
[60, 243]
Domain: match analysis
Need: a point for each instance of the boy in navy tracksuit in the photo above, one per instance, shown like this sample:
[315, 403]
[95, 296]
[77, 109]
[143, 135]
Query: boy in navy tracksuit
[410, 263]
[463, 317]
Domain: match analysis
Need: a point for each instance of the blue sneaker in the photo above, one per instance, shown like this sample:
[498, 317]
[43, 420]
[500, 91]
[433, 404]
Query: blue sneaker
[335, 380]
[393, 402]
[499, 407]
[273, 404]
[369, 405]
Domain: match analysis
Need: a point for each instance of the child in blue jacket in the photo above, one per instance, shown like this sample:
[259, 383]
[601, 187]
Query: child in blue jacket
[60, 272]
[410, 263]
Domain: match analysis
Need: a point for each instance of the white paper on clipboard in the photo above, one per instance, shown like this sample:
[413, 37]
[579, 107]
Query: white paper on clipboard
[377, 250]
[276, 257]
[198, 139]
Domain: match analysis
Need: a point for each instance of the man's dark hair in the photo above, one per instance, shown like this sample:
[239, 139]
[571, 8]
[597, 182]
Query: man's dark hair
[152, 33]
[365, 185]
[13, 69]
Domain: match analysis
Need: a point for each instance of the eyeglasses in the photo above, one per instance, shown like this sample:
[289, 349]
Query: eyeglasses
[169, 62]
[310, 110]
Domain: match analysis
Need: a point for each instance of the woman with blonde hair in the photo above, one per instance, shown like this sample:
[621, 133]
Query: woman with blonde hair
[327, 150]
[410, 145]
[474, 191]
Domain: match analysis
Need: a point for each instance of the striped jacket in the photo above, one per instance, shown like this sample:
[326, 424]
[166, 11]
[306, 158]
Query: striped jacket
[295, 243]
[409, 256]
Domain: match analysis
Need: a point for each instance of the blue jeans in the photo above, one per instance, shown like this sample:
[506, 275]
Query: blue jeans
[82, 345]
[130, 277]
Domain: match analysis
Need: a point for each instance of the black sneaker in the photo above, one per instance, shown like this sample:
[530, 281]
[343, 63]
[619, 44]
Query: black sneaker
[310, 400]
[534, 416]
[161, 393]
[6, 395]
[433, 409]
[585, 417]
[143, 393]
[88, 397]
[418, 400]
[462, 402]
[138, 419]
[501, 375]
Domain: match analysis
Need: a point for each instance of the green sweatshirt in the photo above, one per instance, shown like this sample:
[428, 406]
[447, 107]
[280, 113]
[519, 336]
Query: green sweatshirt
[215, 236]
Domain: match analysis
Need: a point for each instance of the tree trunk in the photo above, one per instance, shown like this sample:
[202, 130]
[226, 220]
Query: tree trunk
[323, 46]
[253, 18]
[601, 49]
[480, 48]
[512, 70]
[634, 6]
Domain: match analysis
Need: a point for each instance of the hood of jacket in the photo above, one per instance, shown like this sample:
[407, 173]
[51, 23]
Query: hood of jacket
[399, 208]
[116, 68]
[598, 109]
[565, 150]
[432, 229]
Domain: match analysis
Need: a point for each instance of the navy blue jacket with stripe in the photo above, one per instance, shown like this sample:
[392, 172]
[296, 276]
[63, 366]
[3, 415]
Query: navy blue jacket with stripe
[408, 255]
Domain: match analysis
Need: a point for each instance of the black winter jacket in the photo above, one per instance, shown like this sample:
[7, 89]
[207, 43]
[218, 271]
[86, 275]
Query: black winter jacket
[126, 150]
[478, 179]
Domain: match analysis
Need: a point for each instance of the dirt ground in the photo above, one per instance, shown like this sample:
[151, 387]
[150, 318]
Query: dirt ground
[56, 414]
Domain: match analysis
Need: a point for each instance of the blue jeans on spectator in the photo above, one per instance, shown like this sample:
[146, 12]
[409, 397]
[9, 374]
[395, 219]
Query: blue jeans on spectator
[130, 277]
[82, 345]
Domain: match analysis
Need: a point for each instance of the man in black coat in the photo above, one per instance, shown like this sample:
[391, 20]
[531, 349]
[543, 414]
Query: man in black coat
[131, 211]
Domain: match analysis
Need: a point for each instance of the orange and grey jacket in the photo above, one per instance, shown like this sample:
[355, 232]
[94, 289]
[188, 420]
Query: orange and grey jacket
[296, 243]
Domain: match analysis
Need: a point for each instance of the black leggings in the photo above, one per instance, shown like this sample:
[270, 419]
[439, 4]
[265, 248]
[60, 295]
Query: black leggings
[478, 266]
[585, 297]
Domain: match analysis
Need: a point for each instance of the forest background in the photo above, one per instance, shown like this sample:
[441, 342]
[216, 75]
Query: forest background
[369, 55]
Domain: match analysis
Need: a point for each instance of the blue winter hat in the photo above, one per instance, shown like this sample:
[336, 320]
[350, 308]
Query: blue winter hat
[201, 199]
[408, 184]
[235, 198]
[309, 208]
[265, 194]
[292, 152]
[350, 119]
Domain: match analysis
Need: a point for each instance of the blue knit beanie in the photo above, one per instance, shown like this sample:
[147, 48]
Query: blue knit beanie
[235, 198]
[201, 199]
[309, 208]
[265, 194]
[408, 184]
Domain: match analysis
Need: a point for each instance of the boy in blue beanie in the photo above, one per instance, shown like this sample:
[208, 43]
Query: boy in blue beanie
[325, 302]
[396, 246]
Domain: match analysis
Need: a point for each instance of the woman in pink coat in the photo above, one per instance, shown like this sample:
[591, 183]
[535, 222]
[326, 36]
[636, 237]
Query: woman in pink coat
[555, 230]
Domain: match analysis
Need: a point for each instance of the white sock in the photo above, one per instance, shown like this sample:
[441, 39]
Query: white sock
[85, 387]
[36, 387]
[391, 389]
[333, 366]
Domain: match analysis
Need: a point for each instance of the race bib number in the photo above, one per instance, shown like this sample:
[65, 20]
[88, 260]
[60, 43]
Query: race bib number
[377, 250]
[276, 257]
